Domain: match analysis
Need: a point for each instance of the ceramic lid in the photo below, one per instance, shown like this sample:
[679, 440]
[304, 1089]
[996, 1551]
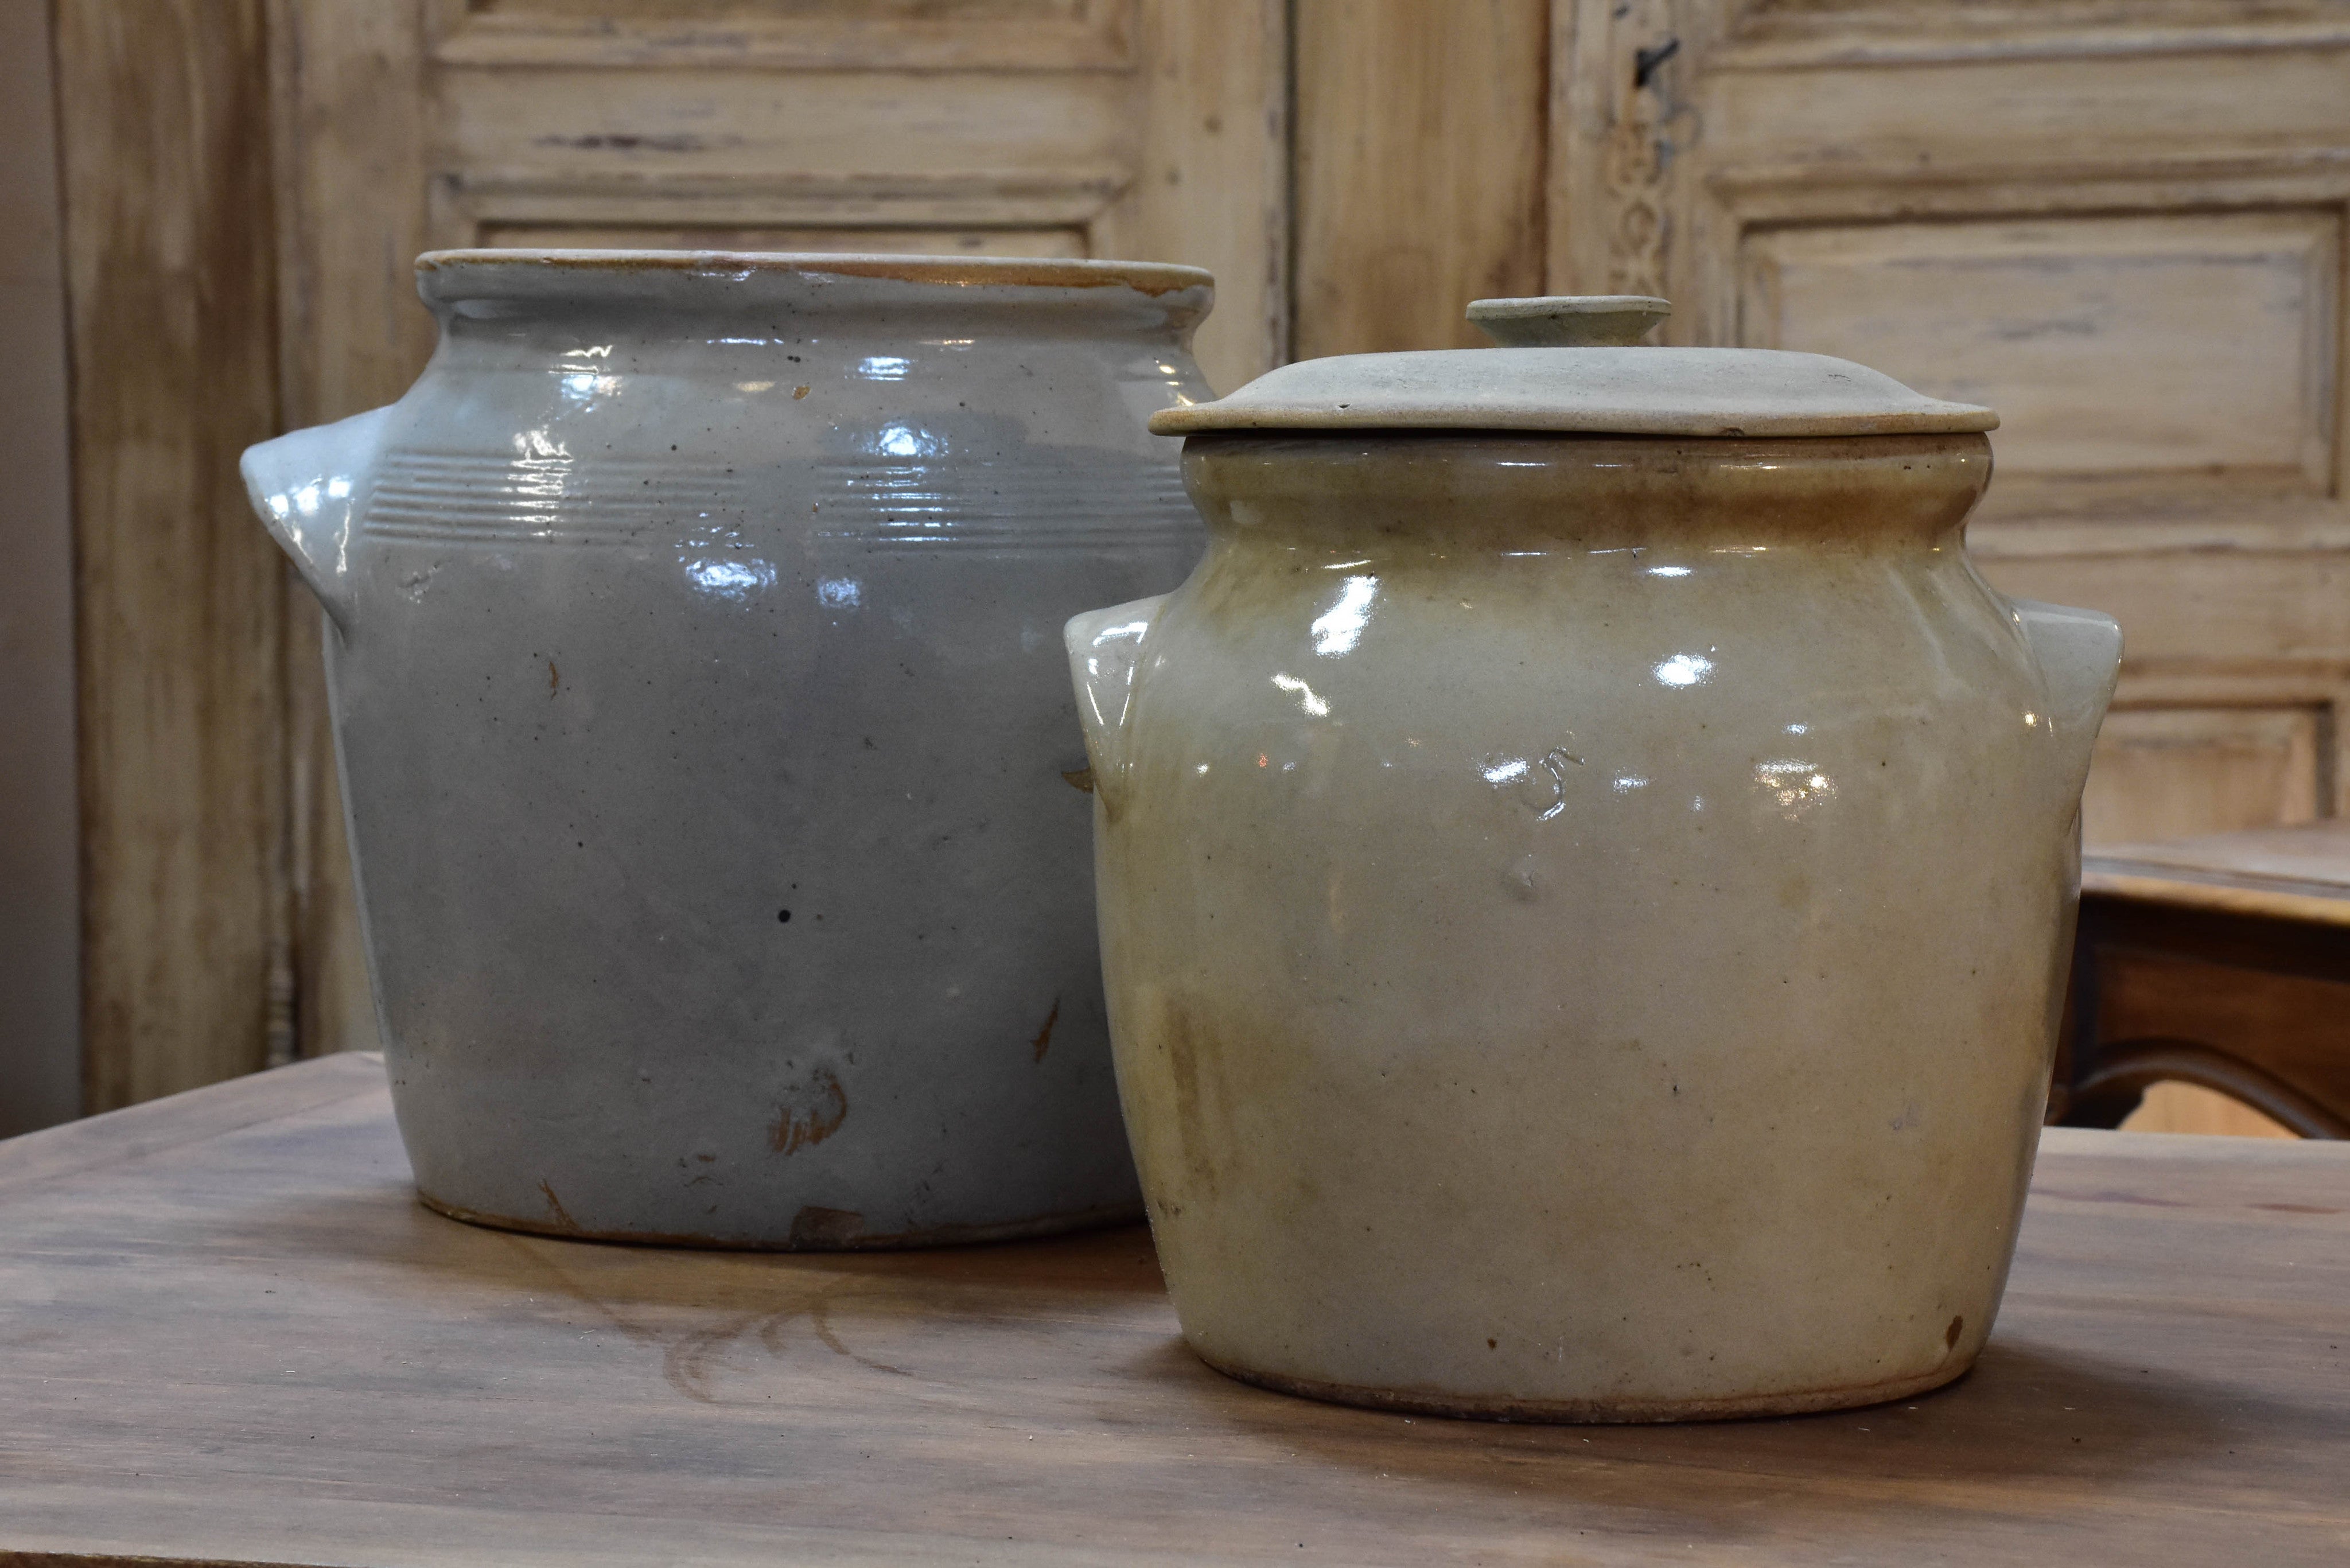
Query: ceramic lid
[1569, 364]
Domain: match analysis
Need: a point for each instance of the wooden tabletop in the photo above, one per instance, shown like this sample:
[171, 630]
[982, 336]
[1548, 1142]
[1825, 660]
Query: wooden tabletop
[232, 1336]
[2287, 873]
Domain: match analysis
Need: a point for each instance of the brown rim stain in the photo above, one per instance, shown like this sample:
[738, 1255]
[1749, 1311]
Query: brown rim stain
[1083, 778]
[1044, 1036]
[1951, 1337]
[812, 1116]
[1145, 277]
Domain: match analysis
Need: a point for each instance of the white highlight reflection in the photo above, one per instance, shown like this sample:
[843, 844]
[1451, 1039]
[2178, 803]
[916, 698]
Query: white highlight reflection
[1684, 669]
[1314, 705]
[1341, 627]
[905, 441]
[1795, 783]
[732, 580]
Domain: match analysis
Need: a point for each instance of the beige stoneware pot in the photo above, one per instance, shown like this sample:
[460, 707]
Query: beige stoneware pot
[1584, 867]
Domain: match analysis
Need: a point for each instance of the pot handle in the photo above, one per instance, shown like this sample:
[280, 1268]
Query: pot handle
[1105, 648]
[2079, 656]
[306, 488]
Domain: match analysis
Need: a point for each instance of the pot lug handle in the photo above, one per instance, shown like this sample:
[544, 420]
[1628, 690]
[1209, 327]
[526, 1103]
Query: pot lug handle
[2079, 652]
[306, 487]
[1105, 649]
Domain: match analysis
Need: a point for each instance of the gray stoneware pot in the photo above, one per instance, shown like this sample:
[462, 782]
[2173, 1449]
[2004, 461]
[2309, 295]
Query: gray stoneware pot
[707, 752]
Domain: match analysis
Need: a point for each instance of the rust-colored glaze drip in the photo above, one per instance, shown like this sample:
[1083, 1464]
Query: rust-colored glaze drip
[817, 1116]
[1599, 1412]
[824, 1235]
[1044, 1039]
[555, 1207]
[1011, 272]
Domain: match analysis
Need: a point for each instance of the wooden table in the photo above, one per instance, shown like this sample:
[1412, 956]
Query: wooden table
[233, 1336]
[2222, 962]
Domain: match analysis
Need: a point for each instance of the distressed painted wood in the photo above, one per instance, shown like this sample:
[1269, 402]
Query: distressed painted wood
[2173, 772]
[235, 1337]
[1420, 141]
[179, 602]
[1210, 186]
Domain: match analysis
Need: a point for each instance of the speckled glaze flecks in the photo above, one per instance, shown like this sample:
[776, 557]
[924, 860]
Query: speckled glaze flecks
[697, 687]
[1583, 914]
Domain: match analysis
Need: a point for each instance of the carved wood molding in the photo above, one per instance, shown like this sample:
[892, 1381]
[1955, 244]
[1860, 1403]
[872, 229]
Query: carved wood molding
[1769, 35]
[465, 202]
[1043, 36]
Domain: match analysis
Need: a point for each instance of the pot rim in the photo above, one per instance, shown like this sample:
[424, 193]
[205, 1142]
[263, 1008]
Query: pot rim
[451, 276]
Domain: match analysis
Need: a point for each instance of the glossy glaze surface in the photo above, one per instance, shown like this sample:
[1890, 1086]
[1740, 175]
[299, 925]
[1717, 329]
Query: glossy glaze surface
[1583, 914]
[698, 698]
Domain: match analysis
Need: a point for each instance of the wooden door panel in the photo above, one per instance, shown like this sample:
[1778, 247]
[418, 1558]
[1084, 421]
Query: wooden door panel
[1419, 168]
[712, 129]
[2178, 772]
[2143, 365]
[1042, 34]
[178, 617]
[2111, 100]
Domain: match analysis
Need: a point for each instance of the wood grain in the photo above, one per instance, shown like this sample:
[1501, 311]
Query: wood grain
[251, 1345]
[2299, 874]
[1212, 181]
[2178, 772]
[1419, 154]
[179, 600]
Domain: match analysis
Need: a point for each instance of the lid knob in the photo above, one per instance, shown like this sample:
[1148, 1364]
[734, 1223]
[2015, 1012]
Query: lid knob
[1569, 320]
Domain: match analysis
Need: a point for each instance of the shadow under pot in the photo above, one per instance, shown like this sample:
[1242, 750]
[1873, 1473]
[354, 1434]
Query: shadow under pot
[1585, 870]
[703, 729]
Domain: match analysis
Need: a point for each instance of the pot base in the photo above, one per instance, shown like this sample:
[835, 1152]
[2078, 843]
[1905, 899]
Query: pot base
[1596, 1412]
[814, 1230]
